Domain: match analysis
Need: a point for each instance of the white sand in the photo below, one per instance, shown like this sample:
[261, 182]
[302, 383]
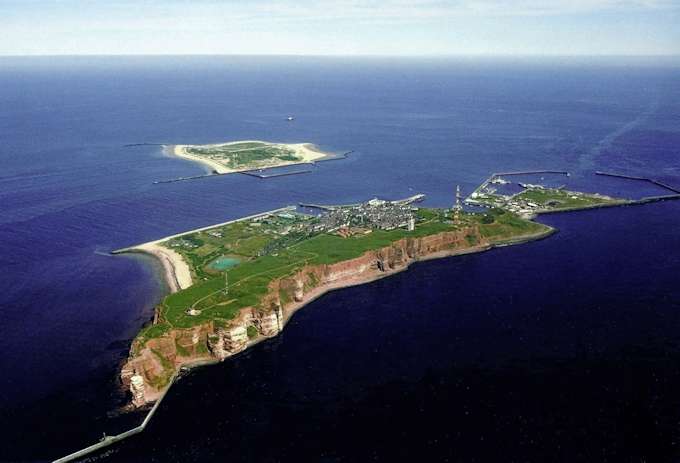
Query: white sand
[180, 151]
[177, 273]
[306, 151]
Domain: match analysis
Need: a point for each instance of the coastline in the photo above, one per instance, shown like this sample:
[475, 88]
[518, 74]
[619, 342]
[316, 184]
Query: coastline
[180, 152]
[173, 265]
[318, 292]
[175, 269]
[309, 153]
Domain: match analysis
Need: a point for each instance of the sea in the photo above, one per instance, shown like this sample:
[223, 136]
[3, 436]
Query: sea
[565, 349]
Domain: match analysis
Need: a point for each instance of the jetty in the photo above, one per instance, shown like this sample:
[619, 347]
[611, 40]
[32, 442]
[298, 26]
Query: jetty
[263, 173]
[497, 175]
[209, 227]
[642, 179]
[402, 202]
[110, 440]
[193, 177]
[131, 145]
[531, 172]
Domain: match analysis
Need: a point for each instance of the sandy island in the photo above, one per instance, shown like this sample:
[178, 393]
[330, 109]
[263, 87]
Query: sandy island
[307, 152]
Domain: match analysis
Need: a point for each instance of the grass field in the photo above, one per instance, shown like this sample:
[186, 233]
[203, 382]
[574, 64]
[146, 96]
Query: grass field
[277, 246]
[561, 199]
[250, 155]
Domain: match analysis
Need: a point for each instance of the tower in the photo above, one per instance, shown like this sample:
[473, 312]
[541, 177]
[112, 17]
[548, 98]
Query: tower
[457, 207]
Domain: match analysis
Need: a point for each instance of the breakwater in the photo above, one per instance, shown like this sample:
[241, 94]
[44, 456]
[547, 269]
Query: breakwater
[262, 173]
[132, 145]
[258, 173]
[110, 440]
[177, 235]
[642, 179]
[531, 172]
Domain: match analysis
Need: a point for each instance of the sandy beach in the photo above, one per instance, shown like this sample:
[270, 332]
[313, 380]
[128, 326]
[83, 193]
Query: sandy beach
[180, 151]
[307, 152]
[175, 269]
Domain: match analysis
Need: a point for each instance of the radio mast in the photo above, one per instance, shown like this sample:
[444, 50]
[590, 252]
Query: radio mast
[457, 207]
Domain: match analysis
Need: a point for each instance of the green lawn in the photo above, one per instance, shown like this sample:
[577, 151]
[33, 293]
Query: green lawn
[562, 199]
[245, 155]
[249, 279]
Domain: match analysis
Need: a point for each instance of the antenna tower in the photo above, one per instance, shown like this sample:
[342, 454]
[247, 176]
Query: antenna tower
[457, 207]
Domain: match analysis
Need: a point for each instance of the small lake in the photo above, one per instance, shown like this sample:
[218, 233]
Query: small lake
[224, 263]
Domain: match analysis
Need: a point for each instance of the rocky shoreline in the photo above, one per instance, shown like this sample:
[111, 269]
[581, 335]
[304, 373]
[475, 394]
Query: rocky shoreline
[151, 368]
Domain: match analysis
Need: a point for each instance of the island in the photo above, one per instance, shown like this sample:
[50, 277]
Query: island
[242, 156]
[237, 283]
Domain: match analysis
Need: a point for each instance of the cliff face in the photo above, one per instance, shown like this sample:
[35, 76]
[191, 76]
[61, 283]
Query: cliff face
[148, 372]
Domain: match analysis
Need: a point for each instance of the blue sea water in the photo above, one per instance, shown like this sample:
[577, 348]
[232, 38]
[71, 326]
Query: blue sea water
[567, 349]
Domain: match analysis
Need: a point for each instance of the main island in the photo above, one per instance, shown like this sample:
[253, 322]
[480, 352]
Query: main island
[236, 283]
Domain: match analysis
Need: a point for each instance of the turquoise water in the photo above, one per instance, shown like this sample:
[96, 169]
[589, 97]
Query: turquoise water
[224, 263]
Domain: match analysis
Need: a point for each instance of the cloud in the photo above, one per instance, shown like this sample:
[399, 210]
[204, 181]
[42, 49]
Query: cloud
[315, 26]
[358, 10]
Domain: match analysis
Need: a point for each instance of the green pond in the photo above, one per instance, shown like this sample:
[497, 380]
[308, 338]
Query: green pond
[224, 263]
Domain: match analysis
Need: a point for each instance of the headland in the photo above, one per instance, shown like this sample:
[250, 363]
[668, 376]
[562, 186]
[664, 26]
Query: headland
[239, 282]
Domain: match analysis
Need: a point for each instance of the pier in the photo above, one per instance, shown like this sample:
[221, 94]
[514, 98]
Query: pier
[110, 440]
[469, 199]
[411, 199]
[530, 172]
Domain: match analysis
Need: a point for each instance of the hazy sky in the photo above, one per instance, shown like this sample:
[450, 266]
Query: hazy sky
[392, 27]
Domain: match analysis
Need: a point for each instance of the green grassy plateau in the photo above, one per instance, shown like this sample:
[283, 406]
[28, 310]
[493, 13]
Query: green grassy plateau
[250, 155]
[282, 244]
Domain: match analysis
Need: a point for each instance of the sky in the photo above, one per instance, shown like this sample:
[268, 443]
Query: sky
[340, 27]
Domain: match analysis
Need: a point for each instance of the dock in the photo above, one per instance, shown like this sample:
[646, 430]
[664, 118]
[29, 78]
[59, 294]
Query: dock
[326, 207]
[469, 199]
[531, 172]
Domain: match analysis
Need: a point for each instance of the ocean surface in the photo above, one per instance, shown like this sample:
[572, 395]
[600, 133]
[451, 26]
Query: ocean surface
[565, 349]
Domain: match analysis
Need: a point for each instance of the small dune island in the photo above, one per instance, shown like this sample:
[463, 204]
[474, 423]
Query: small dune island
[240, 156]
[237, 283]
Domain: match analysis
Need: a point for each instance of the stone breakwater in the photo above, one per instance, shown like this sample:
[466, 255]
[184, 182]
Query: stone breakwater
[150, 367]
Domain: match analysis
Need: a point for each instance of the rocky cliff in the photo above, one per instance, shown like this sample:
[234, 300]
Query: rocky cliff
[151, 367]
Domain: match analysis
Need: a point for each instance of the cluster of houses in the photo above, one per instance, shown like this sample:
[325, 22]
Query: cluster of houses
[376, 213]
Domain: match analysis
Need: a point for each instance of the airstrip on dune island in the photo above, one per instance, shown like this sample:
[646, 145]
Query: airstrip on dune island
[240, 156]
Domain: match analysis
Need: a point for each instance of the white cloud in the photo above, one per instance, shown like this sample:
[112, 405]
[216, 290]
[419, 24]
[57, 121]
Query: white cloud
[308, 26]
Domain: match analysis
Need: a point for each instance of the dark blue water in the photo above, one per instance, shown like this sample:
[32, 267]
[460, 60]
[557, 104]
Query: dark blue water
[559, 350]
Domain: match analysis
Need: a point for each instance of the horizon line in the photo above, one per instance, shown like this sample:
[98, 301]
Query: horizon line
[353, 55]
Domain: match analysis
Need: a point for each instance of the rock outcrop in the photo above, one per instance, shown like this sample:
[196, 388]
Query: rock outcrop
[151, 367]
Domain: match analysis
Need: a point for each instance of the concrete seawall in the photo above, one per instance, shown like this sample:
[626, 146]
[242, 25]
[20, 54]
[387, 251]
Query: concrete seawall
[110, 440]
[166, 238]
